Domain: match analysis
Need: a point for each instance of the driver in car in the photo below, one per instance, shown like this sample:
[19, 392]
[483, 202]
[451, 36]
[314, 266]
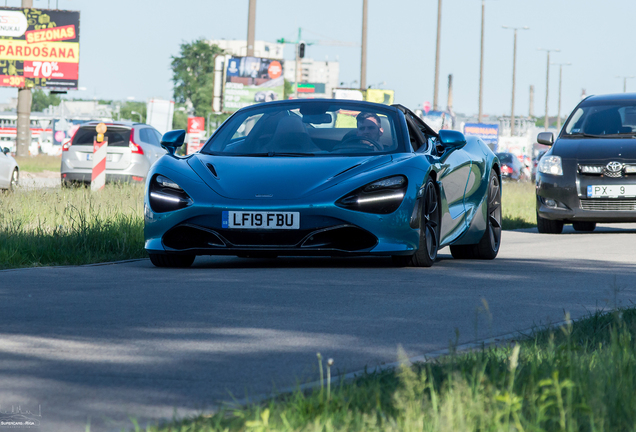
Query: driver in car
[369, 126]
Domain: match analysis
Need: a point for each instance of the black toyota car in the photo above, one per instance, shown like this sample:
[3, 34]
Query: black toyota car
[589, 173]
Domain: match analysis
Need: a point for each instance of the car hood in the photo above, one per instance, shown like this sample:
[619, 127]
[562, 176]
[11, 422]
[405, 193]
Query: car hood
[253, 178]
[596, 149]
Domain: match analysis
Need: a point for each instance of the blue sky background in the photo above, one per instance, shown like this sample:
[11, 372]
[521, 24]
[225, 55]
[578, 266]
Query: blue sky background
[126, 46]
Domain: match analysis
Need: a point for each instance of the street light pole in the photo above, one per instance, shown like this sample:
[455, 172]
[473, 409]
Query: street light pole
[251, 28]
[625, 78]
[23, 138]
[439, 31]
[514, 75]
[547, 85]
[560, 86]
[481, 64]
[363, 56]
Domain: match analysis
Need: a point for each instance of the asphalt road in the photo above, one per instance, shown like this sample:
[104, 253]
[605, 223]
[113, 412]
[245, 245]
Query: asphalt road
[108, 341]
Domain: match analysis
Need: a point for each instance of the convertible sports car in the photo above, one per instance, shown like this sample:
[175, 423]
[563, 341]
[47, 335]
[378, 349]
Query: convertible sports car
[324, 177]
[589, 173]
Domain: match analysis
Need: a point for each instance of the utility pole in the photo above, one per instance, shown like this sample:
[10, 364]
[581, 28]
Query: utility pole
[514, 76]
[363, 56]
[298, 74]
[625, 78]
[547, 85]
[481, 65]
[531, 107]
[449, 103]
[439, 31]
[560, 82]
[23, 139]
[251, 28]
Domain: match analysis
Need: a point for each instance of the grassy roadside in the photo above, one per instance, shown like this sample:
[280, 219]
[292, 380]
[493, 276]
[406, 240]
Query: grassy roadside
[579, 377]
[518, 205]
[71, 226]
[39, 163]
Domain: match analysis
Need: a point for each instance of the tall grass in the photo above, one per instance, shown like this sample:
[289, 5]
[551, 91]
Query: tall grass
[518, 205]
[71, 226]
[579, 377]
[39, 163]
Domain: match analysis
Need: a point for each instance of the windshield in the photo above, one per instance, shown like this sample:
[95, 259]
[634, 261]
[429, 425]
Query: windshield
[596, 119]
[307, 129]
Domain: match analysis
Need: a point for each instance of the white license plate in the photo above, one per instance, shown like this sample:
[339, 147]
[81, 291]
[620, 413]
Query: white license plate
[261, 220]
[614, 191]
[109, 157]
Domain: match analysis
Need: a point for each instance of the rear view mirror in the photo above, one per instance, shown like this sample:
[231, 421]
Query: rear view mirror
[451, 139]
[545, 138]
[172, 140]
[317, 118]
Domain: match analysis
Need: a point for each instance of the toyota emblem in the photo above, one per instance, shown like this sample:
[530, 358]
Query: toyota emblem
[614, 167]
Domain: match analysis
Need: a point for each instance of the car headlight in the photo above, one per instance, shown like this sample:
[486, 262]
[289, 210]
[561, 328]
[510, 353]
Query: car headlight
[381, 196]
[166, 195]
[551, 165]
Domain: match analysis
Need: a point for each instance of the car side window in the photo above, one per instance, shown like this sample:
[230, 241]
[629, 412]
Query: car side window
[157, 135]
[147, 135]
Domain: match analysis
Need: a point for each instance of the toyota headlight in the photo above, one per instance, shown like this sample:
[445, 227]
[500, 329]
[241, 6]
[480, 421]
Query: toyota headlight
[382, 196]
[551, 165]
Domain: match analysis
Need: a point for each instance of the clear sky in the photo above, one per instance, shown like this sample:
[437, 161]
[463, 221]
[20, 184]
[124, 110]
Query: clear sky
[126, 45]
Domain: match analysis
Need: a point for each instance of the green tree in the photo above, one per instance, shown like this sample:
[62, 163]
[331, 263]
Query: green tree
[125, 112]
[288, 89]
[42, 100]
[193, 75]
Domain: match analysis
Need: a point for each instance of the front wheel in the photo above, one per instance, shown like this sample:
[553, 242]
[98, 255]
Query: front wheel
[548, 226]
[164, 260]
[15, 180]
[426, 253]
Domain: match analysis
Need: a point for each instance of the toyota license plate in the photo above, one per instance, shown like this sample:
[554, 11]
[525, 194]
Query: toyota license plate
[614, 191]
[261, 220]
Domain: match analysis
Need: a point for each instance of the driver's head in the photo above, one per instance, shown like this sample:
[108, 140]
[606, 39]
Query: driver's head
[369, 126]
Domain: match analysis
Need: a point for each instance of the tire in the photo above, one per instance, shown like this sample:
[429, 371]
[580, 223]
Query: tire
[15, 180]
[426, 253]
[180, 261]
[584, 226]
[547, 226]
[488, 246]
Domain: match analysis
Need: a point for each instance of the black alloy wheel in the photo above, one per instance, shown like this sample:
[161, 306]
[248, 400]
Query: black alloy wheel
[488, 246]
[426, 254]
[15, 180]
[584, 226]
[548, 226]
[179, 261]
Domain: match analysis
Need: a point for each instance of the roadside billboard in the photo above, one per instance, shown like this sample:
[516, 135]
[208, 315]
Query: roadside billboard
[250, 80]
[159, 114]
[196, 127]
[39, 48]
[380, 96]
[488, 133]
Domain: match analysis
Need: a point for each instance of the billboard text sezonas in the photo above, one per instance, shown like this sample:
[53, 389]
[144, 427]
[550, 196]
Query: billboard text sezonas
[39, 48]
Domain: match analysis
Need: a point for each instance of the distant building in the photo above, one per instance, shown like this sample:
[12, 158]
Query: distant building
[318, 78]
[238, 48]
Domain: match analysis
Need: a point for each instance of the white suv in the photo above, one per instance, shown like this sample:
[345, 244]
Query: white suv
[132, 149]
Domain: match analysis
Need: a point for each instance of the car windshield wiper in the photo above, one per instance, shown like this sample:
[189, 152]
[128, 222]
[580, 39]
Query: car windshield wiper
[585, 135]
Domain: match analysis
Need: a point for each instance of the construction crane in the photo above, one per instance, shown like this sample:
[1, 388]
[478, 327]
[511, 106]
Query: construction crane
[300, 51]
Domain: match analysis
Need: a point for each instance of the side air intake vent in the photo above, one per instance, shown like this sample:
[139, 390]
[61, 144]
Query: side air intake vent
[212, 170]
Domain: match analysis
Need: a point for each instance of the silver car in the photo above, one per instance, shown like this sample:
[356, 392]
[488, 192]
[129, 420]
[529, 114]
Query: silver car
[132, 149]
[9, 170]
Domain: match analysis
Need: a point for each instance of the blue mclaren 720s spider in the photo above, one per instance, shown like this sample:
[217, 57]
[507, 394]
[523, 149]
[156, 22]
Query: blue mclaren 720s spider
[324, 178]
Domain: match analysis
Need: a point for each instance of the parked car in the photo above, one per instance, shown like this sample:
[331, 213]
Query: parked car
[283, 178]
[511, 167]
[132, 149]
[9, 171]
[589, 173]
